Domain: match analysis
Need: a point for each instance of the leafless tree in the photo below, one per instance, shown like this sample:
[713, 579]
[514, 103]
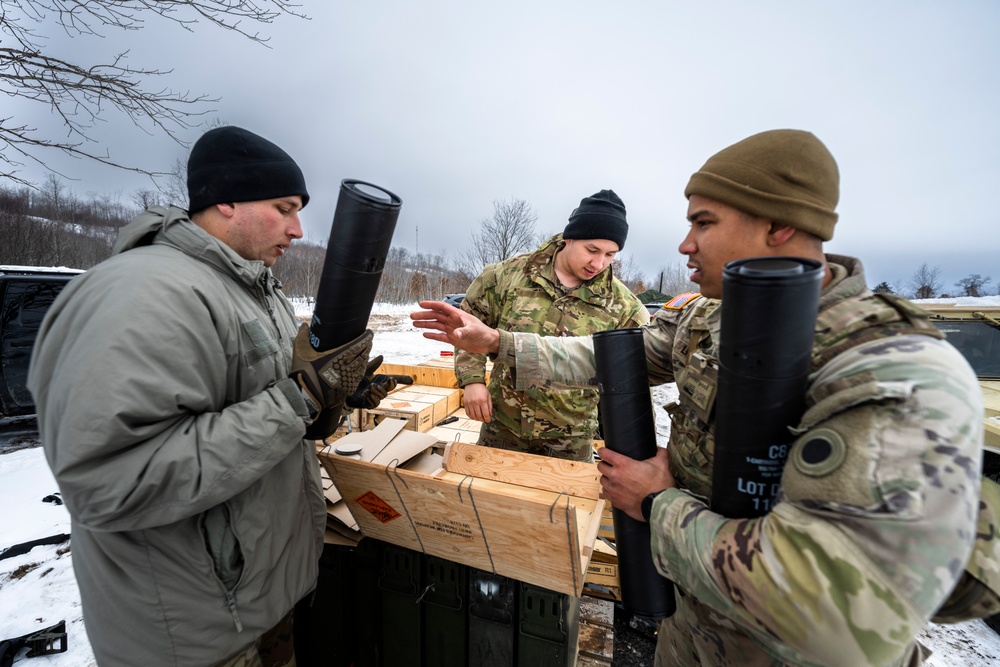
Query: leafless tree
[174, 187]
[974, 284]
[301, 268]
[80, 92]
[145, 197]
[926, 282]
[626, 270]
[510, 230]
[672, 279]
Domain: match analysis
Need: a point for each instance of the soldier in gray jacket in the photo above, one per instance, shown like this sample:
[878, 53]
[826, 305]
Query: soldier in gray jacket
[173, 427]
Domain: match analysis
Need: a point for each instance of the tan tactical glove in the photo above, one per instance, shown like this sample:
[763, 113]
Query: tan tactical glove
[328, 378]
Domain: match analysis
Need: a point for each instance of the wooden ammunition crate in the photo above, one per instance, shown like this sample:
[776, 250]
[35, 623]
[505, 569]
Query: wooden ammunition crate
[532, 518]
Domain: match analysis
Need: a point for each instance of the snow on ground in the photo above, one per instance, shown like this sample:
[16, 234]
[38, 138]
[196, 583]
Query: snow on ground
[38, 589]
[964, 300]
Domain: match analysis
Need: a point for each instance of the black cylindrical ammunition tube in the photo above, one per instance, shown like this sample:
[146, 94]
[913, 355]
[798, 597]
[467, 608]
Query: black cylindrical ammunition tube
[630, 429]
[360, 237]
[769, 307]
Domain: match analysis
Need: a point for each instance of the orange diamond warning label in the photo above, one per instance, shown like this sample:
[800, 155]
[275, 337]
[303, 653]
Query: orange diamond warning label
[380, 509]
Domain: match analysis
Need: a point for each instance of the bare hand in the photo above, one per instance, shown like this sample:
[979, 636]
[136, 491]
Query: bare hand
[459, 328]
[625, 481]
[478, 402]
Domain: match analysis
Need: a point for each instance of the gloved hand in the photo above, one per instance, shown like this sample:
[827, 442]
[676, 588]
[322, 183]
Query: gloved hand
[327, 378]
[373, 388]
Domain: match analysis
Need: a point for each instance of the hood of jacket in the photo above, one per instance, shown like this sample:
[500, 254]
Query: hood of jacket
[171, 226]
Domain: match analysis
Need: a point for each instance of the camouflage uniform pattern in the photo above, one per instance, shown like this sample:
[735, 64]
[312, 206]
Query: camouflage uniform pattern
[523, 294]
[860, 549]
[275, 648]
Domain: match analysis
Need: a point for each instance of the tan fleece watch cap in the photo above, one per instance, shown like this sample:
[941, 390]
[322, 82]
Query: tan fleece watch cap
[787, 176]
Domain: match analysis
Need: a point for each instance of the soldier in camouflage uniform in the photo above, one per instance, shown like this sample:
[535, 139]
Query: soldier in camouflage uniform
[876, 515]
[564, 288]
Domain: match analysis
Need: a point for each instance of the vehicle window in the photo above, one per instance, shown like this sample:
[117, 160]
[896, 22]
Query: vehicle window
[24, 306]
[979, 343]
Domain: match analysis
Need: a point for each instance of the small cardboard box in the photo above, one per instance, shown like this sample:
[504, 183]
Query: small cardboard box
[462, 429]
[422, 406]
[607, 530]
[453, 397]
[408, 448]
[602, 574]
[531, 518]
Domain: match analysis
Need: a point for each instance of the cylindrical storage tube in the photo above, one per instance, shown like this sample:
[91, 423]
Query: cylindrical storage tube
[769, 307]
[630, 429]
[360, 237]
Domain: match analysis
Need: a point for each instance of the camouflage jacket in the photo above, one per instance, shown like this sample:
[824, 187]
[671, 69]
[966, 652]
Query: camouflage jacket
[522, 294]
[858, 552]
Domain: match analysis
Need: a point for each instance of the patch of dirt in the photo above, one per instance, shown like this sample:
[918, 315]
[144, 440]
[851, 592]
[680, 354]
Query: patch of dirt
[23, 570]
[379, 321]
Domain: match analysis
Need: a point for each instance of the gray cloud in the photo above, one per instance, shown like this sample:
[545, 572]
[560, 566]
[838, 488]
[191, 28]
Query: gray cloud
[452, 105]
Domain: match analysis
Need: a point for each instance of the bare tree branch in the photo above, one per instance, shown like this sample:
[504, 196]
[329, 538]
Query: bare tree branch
[510, 230]
[80, 94]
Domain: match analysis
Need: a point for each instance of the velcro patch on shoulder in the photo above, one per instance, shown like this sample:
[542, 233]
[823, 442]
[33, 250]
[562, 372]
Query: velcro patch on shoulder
[681, 301]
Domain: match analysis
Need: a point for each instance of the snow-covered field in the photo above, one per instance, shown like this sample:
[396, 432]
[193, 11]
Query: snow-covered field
[38, 589]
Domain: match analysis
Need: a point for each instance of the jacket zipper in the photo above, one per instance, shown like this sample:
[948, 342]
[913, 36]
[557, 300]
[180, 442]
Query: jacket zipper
[268, 303]
[230, 594]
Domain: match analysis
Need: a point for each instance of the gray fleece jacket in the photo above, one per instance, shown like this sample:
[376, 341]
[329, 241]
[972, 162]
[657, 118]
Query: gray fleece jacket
[167, 417]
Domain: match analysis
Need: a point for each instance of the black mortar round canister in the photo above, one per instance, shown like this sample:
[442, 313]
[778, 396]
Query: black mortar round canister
[630, 429]
[768, 321]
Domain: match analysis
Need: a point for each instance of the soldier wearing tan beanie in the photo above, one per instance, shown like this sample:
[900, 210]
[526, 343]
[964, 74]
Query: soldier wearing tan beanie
[875, 516]
[787, 176]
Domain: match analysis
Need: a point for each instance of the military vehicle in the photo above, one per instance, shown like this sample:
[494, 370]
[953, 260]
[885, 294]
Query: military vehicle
[975, 331]
[26, 292]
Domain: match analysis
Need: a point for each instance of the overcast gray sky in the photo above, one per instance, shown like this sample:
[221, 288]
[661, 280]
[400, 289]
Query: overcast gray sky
[454, 104]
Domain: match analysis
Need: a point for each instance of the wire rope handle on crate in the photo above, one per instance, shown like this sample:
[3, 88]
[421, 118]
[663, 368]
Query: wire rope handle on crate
[475, 510]
[395, 464]
[569, 533]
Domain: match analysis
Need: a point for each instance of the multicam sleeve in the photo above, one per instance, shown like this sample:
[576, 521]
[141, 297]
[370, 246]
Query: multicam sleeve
[480, 300]
[561, 362]
[874, 520]
[568, 361]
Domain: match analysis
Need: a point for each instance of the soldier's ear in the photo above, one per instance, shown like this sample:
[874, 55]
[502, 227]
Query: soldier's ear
[779, 234]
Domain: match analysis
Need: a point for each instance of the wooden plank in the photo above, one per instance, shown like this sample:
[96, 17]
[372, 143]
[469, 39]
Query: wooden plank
[541, 472]
[429, 375]
[530, 535]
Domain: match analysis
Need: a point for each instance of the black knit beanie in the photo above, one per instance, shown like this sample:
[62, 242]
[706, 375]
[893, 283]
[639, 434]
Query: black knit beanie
[787, 176]
[600, 216]
[230, 164]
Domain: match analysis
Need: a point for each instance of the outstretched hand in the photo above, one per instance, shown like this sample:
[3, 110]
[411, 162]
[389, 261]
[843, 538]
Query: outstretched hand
[457, 327]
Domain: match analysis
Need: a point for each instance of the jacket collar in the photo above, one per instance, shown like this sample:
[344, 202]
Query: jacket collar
[540, 268]
[171, 226]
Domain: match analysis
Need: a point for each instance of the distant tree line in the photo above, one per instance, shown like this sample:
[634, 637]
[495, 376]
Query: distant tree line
[926, 283]
[49, 225]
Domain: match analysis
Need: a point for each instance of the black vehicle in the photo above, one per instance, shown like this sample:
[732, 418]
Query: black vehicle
[454, 299]
[25, 295]
[653, 306]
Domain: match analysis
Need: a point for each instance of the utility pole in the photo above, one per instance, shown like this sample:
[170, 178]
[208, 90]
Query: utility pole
[417, 240]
